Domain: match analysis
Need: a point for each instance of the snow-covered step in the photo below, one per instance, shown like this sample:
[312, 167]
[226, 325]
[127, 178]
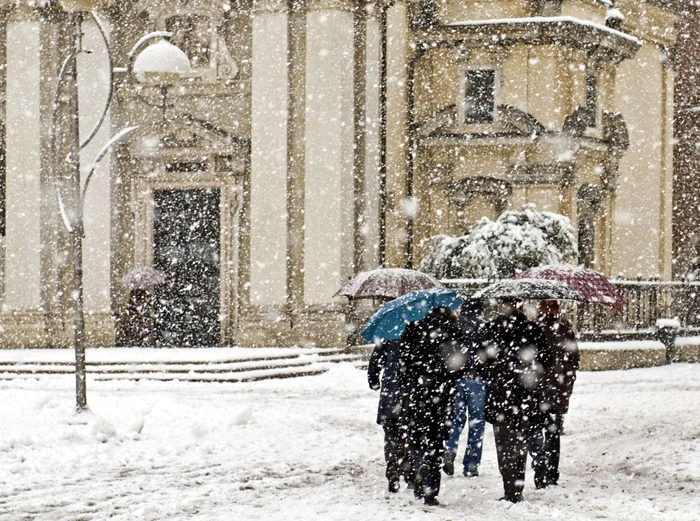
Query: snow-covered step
[212, 367]
[69, 361]
[192, 376]
[241, 369]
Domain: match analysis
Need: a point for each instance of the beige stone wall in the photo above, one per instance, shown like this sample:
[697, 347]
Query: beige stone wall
[455, 11]
[22, 282]
[636, 228]
[93, 93]
[592, 10]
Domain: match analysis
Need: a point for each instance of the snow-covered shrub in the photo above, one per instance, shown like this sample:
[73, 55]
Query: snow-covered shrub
[512, 243]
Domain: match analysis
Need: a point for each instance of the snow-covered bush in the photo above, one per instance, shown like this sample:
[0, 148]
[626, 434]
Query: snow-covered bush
[512, 243]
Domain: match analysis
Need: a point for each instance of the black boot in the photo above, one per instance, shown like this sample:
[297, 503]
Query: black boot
[420, 481]
[448, 463]
[394, 484]
[431, 501]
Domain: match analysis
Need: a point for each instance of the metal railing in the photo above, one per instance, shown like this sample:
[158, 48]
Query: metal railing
[646, 301]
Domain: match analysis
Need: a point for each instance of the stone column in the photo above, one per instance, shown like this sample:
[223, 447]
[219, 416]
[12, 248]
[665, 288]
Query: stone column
[332, 196]
[360, 130]
[398, 53]
[23, 188]
[371, 220]
[296, 155]
[667, 168]
[268, 184]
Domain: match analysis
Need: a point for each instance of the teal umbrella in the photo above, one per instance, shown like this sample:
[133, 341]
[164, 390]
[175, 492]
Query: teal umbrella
[392, 318]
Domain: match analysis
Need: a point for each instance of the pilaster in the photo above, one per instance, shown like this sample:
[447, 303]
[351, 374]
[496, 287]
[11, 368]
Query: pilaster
[296, 155]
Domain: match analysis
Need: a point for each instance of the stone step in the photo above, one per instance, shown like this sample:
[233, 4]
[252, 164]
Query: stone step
[249, 376]
[323, 353]
[170, 366]
[238, 370]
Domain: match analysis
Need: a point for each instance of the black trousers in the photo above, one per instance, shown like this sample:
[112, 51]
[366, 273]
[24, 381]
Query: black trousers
[426, 462]
[545, 448]
[394, 449]
[511, 436]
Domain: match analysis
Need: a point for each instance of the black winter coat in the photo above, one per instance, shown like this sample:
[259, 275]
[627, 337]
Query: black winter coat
[432, 354]
[517, 356]
[384, 361]
[557, 382]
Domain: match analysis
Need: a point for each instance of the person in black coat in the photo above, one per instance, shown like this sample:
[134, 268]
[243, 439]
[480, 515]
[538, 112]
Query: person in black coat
[384, 361]
[554, 390]
[516, 353]
[431, 355]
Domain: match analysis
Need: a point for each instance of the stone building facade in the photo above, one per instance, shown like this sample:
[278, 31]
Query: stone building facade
[686, 241]
[318, 138]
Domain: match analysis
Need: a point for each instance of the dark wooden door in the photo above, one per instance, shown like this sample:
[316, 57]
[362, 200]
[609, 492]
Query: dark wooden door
[186, 239]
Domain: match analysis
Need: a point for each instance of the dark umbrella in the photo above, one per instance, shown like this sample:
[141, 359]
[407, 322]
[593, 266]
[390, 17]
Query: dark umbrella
[386, 283]
[592, 285]
[534, 289]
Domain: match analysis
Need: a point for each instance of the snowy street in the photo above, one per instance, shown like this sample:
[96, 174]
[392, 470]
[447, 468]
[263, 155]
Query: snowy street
[308, 448]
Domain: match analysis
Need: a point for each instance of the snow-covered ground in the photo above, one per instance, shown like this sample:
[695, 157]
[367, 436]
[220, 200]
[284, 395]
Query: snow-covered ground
[308, 449]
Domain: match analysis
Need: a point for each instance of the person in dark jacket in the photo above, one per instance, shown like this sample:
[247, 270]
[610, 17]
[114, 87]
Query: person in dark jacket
[470, 399]
[431, 355]
[554, 390]
[516, 351]
[384, 361]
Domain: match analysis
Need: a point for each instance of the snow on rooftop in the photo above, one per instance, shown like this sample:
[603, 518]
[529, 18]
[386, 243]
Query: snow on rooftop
[546, 19]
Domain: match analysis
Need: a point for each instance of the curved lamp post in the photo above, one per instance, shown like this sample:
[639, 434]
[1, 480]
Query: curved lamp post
[160, 64]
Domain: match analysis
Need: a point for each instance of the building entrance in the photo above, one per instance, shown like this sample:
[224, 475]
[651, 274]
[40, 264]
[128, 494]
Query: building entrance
[187, 249]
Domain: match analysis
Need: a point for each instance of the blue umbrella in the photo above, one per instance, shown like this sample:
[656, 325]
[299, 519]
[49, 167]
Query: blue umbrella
[392, 318]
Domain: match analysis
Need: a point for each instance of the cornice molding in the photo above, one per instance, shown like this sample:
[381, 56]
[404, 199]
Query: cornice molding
[567, 31]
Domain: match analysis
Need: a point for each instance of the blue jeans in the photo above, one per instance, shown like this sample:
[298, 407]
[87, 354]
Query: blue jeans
[470, 399]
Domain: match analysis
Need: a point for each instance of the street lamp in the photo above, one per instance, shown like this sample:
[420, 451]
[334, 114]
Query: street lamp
[158, 64]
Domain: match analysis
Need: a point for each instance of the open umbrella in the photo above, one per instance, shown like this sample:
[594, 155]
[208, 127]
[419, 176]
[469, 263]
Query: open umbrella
[592, 285]
[143, 278]
[386, 283]
[534, 289]
[392, 318]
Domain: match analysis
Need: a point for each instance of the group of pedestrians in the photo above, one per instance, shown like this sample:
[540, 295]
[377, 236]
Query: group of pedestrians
[447, 373]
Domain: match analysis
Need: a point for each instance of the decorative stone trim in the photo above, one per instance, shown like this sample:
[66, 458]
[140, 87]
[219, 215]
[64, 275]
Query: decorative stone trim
[558, 30]
[495, 190]
[559, 174]
[523, 122]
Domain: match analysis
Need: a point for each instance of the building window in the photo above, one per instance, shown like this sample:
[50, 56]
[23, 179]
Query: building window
[591, 100]
[480, 95]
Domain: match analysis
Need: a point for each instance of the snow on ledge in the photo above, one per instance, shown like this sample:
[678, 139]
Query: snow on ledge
[628, 345]
[545, 19]
[671, 323]
[687, 340]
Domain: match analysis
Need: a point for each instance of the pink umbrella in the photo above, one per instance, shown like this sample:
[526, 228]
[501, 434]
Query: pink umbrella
[592, 285]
